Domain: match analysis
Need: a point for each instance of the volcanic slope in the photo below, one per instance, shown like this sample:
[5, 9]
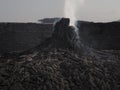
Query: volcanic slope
[55, 65]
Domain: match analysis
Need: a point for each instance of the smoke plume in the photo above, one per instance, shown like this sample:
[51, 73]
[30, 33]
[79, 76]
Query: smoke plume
[71, 8]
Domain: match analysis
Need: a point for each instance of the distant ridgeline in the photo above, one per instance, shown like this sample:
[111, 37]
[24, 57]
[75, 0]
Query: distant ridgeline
[48, 20]
[22, 36]
[100, 35]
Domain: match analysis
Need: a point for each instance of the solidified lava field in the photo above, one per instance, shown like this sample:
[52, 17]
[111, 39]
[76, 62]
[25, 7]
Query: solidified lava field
[60, 69]
[59, 64]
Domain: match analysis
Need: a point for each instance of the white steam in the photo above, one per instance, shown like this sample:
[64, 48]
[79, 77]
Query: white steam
[71, 8]
[70, 11]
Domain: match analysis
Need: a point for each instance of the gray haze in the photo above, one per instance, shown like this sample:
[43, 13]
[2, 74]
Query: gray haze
[32, 10]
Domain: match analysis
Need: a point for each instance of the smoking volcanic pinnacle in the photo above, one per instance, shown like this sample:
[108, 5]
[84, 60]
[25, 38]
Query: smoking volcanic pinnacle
[64, 35]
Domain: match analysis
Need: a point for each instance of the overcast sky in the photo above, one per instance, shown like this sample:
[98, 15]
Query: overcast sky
[32, 10]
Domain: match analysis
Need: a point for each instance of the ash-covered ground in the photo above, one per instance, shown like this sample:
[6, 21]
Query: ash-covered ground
[61, 62]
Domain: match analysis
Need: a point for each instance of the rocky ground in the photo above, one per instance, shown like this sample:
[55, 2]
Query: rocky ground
[54, 66]
[60, 69]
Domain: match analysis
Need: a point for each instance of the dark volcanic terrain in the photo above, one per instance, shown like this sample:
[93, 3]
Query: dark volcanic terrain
[61, 61]
[22, 36]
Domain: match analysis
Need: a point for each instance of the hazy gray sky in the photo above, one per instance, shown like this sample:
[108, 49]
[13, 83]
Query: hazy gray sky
[32, 10]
